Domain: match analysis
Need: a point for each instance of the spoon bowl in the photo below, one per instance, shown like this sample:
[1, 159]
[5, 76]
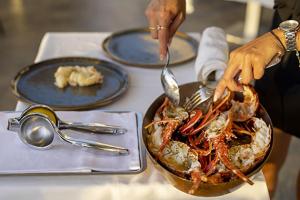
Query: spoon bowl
[169, 83]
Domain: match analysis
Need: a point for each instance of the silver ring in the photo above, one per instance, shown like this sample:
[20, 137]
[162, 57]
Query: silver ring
[240, 79]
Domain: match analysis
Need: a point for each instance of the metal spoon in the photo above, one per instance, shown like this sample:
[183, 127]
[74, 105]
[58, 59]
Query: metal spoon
[86, 127]
[37, 131]
[169, 83]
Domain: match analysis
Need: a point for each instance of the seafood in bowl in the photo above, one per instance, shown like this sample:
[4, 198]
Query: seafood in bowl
[209, 152]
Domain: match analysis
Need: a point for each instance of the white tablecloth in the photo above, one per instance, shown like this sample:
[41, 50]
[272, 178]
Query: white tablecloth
[144, 87]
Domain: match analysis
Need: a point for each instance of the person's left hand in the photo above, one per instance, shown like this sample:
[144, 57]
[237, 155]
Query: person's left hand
[250, 61]
[165, 17]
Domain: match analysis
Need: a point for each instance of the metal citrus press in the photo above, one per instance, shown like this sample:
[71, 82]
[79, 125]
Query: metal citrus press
[37, 125]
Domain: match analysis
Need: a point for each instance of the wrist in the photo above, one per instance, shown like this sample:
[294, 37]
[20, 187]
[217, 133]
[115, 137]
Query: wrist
[280, 36]
[278, 43]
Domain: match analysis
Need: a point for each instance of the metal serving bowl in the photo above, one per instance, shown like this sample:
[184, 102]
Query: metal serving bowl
[183, 184]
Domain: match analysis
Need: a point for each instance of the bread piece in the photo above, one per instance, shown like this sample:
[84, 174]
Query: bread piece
[77, 76]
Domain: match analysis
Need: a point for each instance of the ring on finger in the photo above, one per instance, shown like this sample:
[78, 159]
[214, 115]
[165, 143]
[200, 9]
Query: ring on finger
[159, 27]
[239, 79]
[151, 28]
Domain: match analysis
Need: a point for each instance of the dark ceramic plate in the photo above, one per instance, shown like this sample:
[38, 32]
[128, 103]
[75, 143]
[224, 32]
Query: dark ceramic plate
[35, 84]
[136, 48]
[183, 184]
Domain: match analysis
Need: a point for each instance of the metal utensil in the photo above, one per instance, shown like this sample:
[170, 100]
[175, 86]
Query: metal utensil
[78, 126]
[169, 83]
[202, 95]
[37, 131]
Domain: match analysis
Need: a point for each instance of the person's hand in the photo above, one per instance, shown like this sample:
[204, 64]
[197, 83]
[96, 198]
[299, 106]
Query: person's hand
[249, 62]
[165, 17]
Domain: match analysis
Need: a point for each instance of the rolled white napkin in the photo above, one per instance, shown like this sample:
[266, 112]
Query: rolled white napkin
[212, 54]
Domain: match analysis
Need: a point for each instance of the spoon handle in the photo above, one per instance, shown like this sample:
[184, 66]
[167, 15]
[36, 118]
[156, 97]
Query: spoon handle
[93, 144]
[93, 127]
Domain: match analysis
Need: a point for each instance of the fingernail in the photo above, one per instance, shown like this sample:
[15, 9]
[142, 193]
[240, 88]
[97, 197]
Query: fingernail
[161, 57]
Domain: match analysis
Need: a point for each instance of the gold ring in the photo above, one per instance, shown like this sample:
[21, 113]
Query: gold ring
[152, 28]
[159, 27]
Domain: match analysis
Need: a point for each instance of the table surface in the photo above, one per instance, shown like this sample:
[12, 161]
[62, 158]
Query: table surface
[144, 87]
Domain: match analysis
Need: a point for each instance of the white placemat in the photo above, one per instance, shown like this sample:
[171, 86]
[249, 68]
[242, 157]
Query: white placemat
[62, 157]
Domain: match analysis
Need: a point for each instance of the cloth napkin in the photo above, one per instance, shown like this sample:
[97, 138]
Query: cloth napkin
[212, 54]
[16, 157]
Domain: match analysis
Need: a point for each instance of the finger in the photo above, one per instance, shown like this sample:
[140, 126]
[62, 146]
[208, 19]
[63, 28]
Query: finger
[163, 37]
[224, 83]
[228, 78]
[232, 68]
[230, 74]
[258, 69]
[153, 28]
[233, 85]
[247, 72]
[219, 89]
[152, 19]
[163, 34]
[176, 23]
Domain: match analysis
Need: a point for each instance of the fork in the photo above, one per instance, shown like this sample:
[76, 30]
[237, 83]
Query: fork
[198, 97]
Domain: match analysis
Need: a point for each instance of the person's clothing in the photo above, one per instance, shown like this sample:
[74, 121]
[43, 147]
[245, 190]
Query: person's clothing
[279, 89]
[288, 9]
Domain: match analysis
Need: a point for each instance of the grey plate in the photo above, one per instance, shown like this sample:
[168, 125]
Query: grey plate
[136, 48]
[35, 84]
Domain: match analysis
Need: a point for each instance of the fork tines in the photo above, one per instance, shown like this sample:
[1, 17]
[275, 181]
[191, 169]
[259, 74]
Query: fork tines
[193, 101]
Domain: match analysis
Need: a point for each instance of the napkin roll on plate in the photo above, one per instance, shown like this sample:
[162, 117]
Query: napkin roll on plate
[212, 54]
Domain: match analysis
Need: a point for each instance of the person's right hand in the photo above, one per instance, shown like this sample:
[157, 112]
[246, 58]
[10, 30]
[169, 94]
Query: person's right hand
[167, 14]
[249, 61]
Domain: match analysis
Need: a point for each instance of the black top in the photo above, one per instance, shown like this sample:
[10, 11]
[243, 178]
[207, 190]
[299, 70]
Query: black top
[288, 9]
[279, 89]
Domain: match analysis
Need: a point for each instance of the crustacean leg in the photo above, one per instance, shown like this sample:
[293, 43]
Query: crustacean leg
[197, 177]
[199, 139]
[242, 130]
[204, 152]
[222, 153]
[167, 133]
[211, 167]
[197, 114]
[228, 128]
[212, 113]
[204, 123]
[162, 107]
